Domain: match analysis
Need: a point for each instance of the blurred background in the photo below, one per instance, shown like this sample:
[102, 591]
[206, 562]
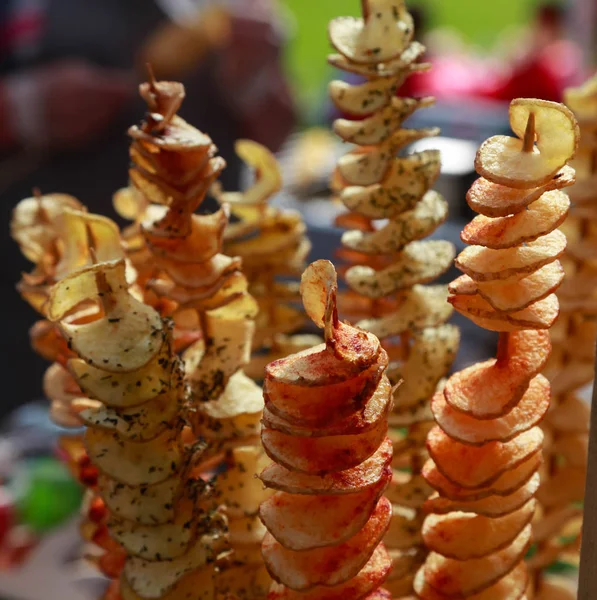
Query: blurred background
[69, 71]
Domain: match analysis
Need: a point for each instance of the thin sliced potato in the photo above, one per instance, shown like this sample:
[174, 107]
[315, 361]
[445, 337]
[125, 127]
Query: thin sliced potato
[477, 466]
[419, 262]
[485, 264]
[540, 218]
[198, 585]
[334, 519]
[409, 491]
[405, 529]
[490, 506]
[366, 475]
[330, 565]
[365, 98]
[464, 428]
[495, 200]
[450, 535]
[464, 578]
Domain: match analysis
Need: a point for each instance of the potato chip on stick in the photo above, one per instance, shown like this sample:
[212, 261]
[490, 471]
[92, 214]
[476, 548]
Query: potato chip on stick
[273, 246]
[389, 264]
[207, 295]
[485, 451]
[325, 426]
[125, 363]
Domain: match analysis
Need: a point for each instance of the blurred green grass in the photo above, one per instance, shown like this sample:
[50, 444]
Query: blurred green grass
[479, 22]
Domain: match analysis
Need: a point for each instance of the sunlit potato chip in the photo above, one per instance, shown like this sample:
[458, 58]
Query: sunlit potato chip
[450, 535]
[362, 99]
[539, 315]
[411, 225]
[540, 218]
[361, 420]
[129, 203]
[333, 518]
[382, 36]
[529, 411]
[490, 506]
[486, 264]
[516, 295]
[378, 127]
[477, 466]
[505, 485]
[319, 286]
[370, 577]
[137, 424]
[134, 463]
[431, 355]
[366, 475]
[495, 200]
[330, 565]
[157, 542]
[198, 585]
[200, 274]
[510, 587]
[468, 577]
[320, 455]
[566, 486]
[124, 390]
[154, 579]
[419, 262]
[36, 223]
[553, 523]
[556, 128]
[159, 499]
[237, 487]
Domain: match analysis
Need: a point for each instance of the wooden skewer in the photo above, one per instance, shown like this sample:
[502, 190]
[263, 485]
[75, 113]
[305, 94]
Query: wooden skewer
[365, 9]
[528, 142]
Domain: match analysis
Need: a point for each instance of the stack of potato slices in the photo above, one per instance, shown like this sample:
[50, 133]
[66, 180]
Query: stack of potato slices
[273, 247]
[571, 365]
[391, 262]
[174, 165]
[325, 426]
[127, 367]
[486, 448]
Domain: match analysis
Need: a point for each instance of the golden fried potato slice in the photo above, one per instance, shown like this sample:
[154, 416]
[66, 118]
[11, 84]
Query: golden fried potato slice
[510, 587]
[331, 565]
[410, 415]
[567, 485]
[464, 578]
[540, 218]
[495, 200]
[469, 430]
[419, 262]
[198, 585]
[486, 264]
[556, 129]
[405, 528]
[420, 307]
[450, 535]
[380, 126]
[490, 506]
[518, 294]
[159, 499]
[539, 315]
[134, 463]
[491, 389]
[411, 225]
[123, 390]
[365, 98]
[154, 579]
[380, 36]
[477, 466]
[244, 582]
[370, 577]
[366, 475]
[333, 519]
[198, 275]
[505, 485]
[431, 356]
[320, 455]
[137, 424]
[129, 203]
